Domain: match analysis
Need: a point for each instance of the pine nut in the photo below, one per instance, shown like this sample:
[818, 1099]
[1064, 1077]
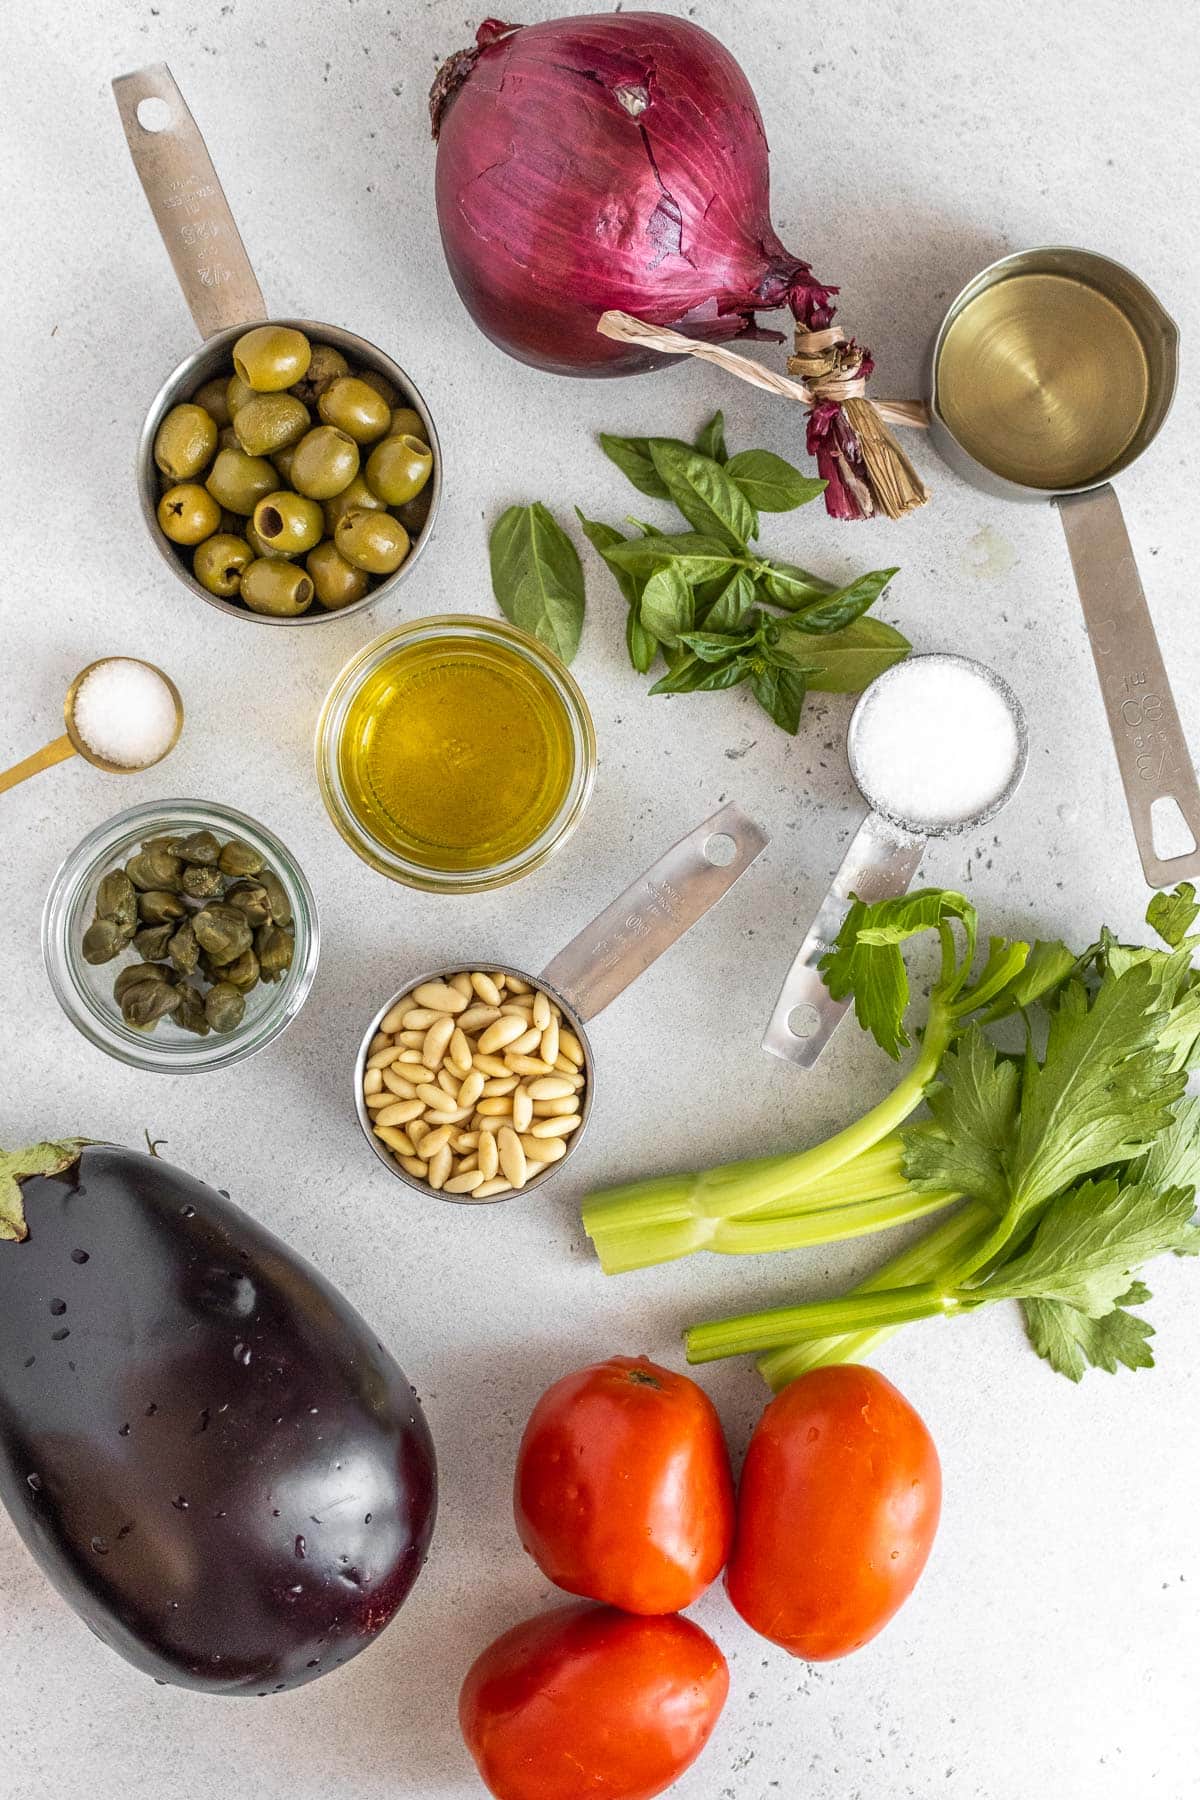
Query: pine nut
[501, 1033]
[476, 1017]
[464, 1141]
[493, 1122]
[380, 1041]
[496, 1106]
[461, 983]
[554, 1109]
[470, 1088]
[401, 1112]
[487, 1190]
[440, 1162]
[526, 1043]
[548, 1087]
[398, 1084]
[382, 1058]
[518, 1009]
[418, 1130]
[375, 1101]
[432, 1095]
[457, 1115]
[466, 1165]
[496, 1086]
[517, 986]
[449, 1082]
[464, 1184]
[413, 1165]
[411, 1059]
[372, 1081]
[571, 1048]
[459, 1053]
[512, 1157]
[522, 1110]
[528, 1065]
[541, 1011]
[489, 1160]
[420, 1018]
[550, 1037]
[412, 1040]
[543, 1150]
[436, 1040]
[552, 1128]
[395, 1140]
[440, 997]
[434, 1140]
[486, 988]
[392, 1021]
[491, 1065]
[500, 979]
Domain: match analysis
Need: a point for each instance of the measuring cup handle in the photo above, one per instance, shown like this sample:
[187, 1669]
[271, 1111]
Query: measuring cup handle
[655, 911]
[190, 210]
[1152, 753]
[879, 864]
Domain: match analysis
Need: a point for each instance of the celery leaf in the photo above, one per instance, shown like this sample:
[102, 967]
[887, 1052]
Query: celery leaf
[1071, 1342]
[974, 1105]
[866, 962]
[1089, 1242]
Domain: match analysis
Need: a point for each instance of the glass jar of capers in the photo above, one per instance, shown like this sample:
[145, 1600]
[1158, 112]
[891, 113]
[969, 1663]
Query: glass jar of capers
[294, 481]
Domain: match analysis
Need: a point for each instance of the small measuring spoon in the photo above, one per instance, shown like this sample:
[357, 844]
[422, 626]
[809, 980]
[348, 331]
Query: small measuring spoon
[73, 744]
[598, 964]
[882, 859]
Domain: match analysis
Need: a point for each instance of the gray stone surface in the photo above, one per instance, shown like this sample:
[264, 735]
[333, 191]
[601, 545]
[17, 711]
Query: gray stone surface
[1051, 1649]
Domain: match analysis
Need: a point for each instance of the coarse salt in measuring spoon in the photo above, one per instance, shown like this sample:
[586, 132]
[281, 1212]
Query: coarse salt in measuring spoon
[125, 713]
[935, 744]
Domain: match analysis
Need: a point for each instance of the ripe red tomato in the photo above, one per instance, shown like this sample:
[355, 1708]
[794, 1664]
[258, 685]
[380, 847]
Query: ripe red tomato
[623, 1490]
[837, 1510]
[588, 1700]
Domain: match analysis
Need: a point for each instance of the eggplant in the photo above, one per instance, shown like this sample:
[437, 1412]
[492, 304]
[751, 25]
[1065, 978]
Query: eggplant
[207, 1450]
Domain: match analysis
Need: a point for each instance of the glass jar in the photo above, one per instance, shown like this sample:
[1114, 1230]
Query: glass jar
[566, 719]
[85, 990]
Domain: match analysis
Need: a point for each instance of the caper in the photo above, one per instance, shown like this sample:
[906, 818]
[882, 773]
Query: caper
[200, 847]
[281, 908]
[103, 940]
[116, 899]
[237, 858]
[202, 883]
[275, 948]
[222, 932]
[183, 949]
[135, 975]
[154, 869]
[326, 365]
[149, 1001]
[252, 901]
[242, 971]
[152, 940]
[157, 905]
[190, 1015]
[224, 1006]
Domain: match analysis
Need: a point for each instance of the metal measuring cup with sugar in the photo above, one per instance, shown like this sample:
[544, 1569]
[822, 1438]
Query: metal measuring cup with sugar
[1029, 412]
[224, 298]
[598, 964]
[884, 853]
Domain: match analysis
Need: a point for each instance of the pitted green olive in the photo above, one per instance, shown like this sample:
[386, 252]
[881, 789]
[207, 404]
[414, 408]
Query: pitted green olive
[272, 357]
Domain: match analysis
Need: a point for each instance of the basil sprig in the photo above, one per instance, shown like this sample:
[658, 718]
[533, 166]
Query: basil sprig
[701, 597]
[537, 578]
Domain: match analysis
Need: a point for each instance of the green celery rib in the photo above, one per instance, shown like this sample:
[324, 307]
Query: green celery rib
[815, 1318]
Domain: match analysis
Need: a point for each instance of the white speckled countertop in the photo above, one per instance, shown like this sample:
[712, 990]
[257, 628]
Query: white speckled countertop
[1051, 1648]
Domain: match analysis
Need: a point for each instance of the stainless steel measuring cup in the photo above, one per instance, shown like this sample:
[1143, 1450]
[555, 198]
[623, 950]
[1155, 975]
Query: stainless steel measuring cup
[882, 859]
[1152, 754]
[598, 964]
[224, 298]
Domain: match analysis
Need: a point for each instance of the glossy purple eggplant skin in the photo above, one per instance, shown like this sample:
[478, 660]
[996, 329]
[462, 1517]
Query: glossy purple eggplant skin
[207, 1450]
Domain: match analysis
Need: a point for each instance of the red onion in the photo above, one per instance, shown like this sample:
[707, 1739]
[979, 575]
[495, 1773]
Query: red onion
[612, 161]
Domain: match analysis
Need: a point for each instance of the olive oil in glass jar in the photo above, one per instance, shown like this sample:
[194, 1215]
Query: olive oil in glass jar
[455, 753]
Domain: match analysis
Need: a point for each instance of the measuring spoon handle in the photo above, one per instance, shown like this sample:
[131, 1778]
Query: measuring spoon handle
[45, 758]
[879, 864]
[652, 914]
[1152, 753]
[189, 207]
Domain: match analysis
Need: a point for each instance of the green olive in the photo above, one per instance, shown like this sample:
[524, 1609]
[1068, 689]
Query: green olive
[212, 397]
[398, 469]
[326, 365]
[237, 392]
[238, 482]
[273, 585]
[283, 462]
[289, 521]
[219, 562]
[259, 545]
[336, 581]
[413, 514]
[355, 495]
[355, 409]
[387, 390]
[407, 422]
[270, 422]
[272, 357]
[373, 541]
[184, 441]
[326, 461]
[188, 514]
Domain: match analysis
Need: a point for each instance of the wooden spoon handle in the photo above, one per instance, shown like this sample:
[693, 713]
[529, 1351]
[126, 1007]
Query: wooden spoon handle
[45, 758]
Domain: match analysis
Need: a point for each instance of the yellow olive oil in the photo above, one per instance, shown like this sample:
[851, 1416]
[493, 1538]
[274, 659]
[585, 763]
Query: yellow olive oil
[456, 753]
[1043, 379]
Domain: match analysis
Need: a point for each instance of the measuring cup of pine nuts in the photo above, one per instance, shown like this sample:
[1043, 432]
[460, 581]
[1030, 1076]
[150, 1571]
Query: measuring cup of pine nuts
[475, 1080]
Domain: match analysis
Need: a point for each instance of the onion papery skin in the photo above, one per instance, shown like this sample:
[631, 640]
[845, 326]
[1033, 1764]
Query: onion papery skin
[609, 161]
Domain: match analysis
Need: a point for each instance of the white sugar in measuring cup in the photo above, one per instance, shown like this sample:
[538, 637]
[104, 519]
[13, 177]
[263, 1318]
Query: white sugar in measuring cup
[958, 753]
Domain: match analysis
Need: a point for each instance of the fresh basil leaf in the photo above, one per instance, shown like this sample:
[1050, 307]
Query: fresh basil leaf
[780, 692]
[697, 557]
[632, 457]
[691, 676]
[711, 440]
[792, 587]
[715, 646]
[704, 494]
[733, 608]
[840, 609]
[844, 662]
[602, 538]
[666, 608]
[769, 483]
[641, 644]
[537, 577]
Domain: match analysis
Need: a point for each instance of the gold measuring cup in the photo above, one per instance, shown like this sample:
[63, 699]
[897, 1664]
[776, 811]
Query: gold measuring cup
[72, 744]
[224, 298]
[1045, 392]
